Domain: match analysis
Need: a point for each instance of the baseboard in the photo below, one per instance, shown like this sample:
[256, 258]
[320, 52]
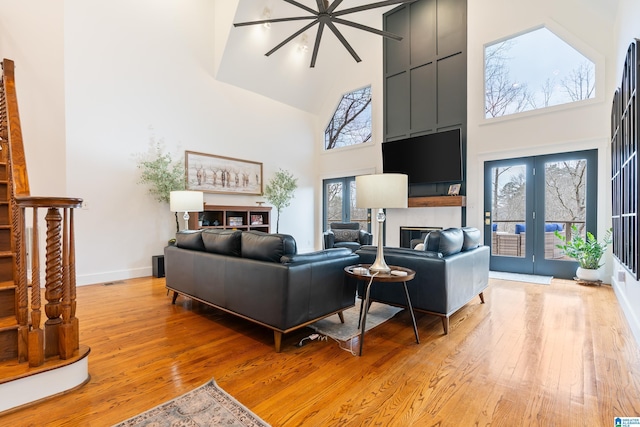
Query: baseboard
[112, 276]
[627, 308]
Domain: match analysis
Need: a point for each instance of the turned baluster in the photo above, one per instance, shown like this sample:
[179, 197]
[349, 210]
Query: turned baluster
[53, 283]
[36, 335]
[67, 334]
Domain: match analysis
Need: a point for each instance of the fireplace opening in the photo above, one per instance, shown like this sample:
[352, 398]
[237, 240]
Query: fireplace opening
[409, 234]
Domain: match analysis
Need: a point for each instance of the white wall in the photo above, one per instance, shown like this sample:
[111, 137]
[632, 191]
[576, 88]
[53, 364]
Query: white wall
[118, 74]
[31, 34]
[626, 287]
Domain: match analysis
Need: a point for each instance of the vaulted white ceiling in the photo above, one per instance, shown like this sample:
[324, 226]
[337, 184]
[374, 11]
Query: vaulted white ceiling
[285, 76]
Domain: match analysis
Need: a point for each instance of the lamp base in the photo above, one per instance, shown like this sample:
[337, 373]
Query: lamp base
[379, 265]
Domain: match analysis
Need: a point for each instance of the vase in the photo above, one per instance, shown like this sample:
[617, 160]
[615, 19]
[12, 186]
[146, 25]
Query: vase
[588, 274]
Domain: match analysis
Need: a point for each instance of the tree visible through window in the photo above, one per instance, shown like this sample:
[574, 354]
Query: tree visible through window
[535, 70]
[351, 122]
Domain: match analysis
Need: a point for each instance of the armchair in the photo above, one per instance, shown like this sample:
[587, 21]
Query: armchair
[346, 235]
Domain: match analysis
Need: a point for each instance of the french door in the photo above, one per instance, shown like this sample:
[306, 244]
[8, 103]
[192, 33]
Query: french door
[339, 203]
[528, 199]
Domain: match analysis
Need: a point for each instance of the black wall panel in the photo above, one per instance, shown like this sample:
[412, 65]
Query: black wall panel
[396, 92]
[423, 100]
[425, 74]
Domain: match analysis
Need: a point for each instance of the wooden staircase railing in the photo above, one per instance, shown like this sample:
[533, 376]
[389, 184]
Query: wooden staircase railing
[22, 334]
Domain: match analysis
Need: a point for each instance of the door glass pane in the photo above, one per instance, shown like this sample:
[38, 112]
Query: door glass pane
[333, 191]
[357, 214]
[565, 203]
[508, 204]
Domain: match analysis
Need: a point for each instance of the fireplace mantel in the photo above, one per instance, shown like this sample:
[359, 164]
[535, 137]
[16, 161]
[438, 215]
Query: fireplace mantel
[437, 201]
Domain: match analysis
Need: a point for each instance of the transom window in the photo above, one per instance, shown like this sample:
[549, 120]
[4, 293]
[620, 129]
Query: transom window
[532, 71]
[351, 122]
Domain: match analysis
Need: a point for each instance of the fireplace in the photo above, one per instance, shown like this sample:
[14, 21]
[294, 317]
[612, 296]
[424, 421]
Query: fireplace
[407, 234]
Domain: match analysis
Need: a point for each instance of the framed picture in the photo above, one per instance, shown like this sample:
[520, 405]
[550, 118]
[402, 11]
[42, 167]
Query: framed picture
[218, 174]
[454, 189]
[256, 219]
[234, 221]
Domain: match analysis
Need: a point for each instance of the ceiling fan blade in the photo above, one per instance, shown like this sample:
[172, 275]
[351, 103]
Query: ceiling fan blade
[264, 21]
[366, 28]
[301, 6]
[322, 7]
[333, 6]
[343, 41]
[371, 6]
[316, 45]
[292, 36]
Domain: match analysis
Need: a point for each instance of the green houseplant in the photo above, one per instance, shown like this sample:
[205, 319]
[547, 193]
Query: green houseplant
[161, 174]
[588, 252]
[279, 191]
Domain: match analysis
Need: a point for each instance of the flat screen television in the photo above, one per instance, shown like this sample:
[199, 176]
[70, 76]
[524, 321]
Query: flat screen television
[426, 159]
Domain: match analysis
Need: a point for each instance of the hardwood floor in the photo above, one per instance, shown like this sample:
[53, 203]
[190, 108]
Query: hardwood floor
[558, 355]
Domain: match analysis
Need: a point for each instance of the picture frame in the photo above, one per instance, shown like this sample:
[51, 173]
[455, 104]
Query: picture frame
[454, 190]
[256, 219]
[235, 221]
[224, 175]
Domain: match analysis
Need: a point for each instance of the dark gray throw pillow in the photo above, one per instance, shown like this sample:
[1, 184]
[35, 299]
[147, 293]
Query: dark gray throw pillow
[451, 241]
[471, 238]
[223, 242]
[190, 239]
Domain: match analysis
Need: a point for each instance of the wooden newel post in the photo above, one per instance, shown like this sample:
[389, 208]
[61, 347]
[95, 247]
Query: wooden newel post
[53, 284]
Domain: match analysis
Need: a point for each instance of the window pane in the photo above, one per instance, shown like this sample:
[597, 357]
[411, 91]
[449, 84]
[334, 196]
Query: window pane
[565, 203]
[535, 70]
[508, 202]
[357, 214]
[351, 122]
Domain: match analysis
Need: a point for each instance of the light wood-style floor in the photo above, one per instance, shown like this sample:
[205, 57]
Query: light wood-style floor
[558, 355]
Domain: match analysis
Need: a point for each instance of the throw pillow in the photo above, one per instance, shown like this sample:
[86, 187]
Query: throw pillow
[346, 235]
[190, 239]
[471, 238]
[451, 241]
[419, 247]
[224, 242]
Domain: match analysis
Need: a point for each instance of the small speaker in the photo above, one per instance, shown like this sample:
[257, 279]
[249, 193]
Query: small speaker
[157, 262]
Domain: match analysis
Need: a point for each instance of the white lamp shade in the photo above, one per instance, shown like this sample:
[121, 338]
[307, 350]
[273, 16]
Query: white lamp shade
[186, 201]
[386, 190]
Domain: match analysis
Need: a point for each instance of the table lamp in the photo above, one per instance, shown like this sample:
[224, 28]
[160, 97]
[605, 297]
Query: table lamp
[387, 190]
[186, 201]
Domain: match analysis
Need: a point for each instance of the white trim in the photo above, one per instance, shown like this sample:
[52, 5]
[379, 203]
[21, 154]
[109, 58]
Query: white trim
[627, 308]
[49, 383]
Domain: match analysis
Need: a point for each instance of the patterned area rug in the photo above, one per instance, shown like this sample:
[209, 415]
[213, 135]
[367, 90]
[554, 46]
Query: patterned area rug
[207, 405]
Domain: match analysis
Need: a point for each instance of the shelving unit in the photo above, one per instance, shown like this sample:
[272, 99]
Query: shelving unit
[233, 218]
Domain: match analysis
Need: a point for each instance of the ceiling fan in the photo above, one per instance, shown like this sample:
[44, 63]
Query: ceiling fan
[327, 15]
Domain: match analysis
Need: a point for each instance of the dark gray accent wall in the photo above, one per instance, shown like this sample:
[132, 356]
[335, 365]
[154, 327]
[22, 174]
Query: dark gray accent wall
[425, 74]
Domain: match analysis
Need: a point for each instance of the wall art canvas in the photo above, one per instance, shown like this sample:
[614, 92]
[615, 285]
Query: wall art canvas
[219, 174]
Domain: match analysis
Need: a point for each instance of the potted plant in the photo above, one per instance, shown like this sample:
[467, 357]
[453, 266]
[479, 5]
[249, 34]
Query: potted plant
[588, 252]
[161, 174]
[279, 191]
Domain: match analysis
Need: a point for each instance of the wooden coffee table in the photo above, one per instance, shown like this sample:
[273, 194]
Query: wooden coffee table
[368, 280]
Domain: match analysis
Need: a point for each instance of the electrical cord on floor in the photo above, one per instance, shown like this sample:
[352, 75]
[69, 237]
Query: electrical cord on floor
[311, 337]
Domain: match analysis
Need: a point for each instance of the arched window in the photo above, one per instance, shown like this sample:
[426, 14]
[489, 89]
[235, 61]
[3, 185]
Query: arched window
[351, 122]
[535, 70]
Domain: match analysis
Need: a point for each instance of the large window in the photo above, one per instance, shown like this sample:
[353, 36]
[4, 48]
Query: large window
[535, 70]
[351, 122]
[340, 203]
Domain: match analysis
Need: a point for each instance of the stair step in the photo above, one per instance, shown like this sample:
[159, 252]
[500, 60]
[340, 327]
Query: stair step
[8, 323]
[7, 286]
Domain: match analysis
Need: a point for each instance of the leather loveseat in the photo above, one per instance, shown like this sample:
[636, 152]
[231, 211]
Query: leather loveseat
[452, 269]
[260, 277]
